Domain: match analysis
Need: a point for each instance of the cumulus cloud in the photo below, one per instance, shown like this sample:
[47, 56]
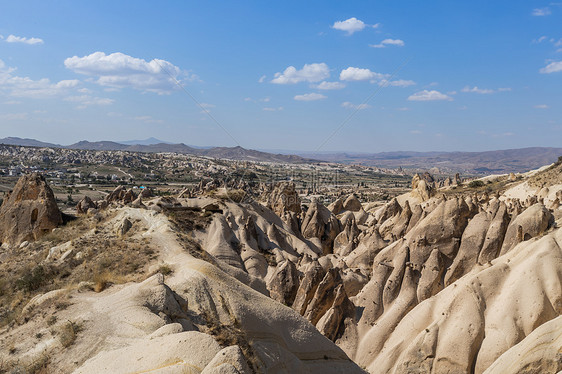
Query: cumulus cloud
[348, 105]
[358, 74]
[19, 39]
[118, 70]
[541, 106]
[309, 97]
[350, 25]
[541, 12]
[484, 91]
[315, 72]
[268, 109]
[553, 67]
[85, 101]
[427, 95]
[329, 86]
[16, 86]
[387, 42]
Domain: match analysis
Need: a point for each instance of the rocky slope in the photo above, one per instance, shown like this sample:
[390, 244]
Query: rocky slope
[440, 281]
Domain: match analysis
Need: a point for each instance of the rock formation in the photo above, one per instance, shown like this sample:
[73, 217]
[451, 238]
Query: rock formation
[29, 212]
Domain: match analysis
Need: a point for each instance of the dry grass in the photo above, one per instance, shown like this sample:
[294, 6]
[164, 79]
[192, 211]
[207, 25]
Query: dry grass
[67, 333]
[548, 177]
[104, 259]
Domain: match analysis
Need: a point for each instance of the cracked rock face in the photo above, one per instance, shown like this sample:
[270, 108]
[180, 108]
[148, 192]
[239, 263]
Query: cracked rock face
[29, 212]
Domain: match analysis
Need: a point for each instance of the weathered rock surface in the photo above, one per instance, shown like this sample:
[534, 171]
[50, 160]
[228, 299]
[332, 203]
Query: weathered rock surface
[29, 212]
[319, 223]
[284, 198]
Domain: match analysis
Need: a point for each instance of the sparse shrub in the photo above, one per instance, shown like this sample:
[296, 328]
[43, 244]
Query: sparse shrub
[475, 184]
[32, 280]
[39, 365]
[101, 281]
[165, 269]
[68, 333]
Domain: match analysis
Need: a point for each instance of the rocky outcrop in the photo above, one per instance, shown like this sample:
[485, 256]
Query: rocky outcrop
[422, 186]
[529, 224]
[29, 212]
[284, 198]
[320, 224]
[284, 283]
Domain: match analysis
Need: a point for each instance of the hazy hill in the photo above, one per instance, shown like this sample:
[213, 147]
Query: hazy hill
[488, 162]
[233, 153]
[12, 140]
[149, 141]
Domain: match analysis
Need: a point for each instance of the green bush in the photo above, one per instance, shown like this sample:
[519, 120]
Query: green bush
[475, 184]
[32, 280]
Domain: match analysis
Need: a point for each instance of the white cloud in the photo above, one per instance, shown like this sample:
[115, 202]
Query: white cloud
[358, 74]
[11, 102]
[19, 39]
[540, 12]
[273, 109]
[329, 86]
[262, 79]
[309, 97]
[148, 119]
[350, 25]
[384, 43]
[397, 83]
[26, 87]
[540, 40]
[86, 101]
[348, 105]
[119, 70]
[427, 95]
[404, 109]
[484, 91]
[415, 132]
[309, 73]
[541, 106]
[553, 67]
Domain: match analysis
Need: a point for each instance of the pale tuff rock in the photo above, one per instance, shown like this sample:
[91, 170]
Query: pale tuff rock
[29, 212]
[479, 312]
[471, 243]
[495, 235]
[532, 222]
[84, 205]
[352, 204]
[539, 352]
[319, 223]
[284, 283]
[347, 240]
[284, 198]
[422, 187]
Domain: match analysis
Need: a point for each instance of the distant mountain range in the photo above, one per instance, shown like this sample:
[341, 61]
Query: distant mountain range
[488, 162]
[150, 146]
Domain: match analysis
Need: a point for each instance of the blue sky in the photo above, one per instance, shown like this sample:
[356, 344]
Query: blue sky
[292, 75]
